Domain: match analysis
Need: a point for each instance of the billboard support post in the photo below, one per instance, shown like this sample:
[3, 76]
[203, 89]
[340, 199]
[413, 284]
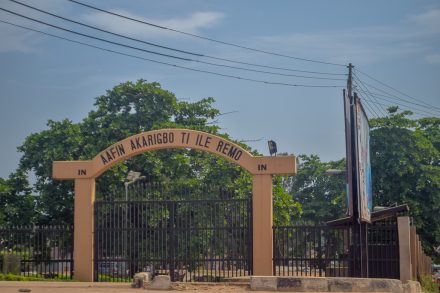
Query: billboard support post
[358, 177]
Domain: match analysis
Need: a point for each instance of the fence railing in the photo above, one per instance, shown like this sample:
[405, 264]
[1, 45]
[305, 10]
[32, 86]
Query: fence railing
[190, 240]
[37, 251]
[326, 251]
[312, 251]
[394, 248]
[383, 250]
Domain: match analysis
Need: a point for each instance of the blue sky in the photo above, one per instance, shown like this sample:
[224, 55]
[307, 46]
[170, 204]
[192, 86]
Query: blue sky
[396, 42]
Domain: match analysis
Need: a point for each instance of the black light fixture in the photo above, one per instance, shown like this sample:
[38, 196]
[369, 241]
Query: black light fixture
[272, 147]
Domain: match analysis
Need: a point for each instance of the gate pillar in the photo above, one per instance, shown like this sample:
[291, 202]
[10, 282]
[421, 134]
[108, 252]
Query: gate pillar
[262, 234]
[83, 231]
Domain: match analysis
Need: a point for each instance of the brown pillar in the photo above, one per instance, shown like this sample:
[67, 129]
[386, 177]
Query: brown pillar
[403, 227]
[83, 233]
[262, 219]
[413, 234]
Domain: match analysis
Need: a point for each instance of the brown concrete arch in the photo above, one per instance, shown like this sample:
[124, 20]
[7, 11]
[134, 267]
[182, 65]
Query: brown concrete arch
[85, 172]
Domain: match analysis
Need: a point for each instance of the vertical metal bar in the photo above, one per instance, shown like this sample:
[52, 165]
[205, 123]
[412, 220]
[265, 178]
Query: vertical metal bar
[172, 243]
[96, 240]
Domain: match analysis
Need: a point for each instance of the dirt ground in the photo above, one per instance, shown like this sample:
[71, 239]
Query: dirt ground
[77, 287]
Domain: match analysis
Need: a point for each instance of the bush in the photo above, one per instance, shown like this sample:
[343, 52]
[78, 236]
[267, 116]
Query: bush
[428, 284]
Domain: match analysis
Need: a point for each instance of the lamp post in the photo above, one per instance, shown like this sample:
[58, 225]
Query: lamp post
[272, 147]
[131, 178]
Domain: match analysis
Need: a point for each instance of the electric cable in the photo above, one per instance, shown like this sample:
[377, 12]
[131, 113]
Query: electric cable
[370, 109]
[162, 54]
[381, 110]
[174, 65]
[411, 110]
[201, 37]
[170, 48]
[396, 90]
[407, 107]
[395, 97]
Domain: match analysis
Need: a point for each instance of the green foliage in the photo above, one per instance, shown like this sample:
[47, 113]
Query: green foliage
[17, 204]
[33, 277]
[405, 159]
[127, 109]
[110, 278]
[321, 197]
[285, 207]
[429, 285]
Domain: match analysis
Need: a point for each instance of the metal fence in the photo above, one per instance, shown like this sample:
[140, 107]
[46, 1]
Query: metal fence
[383, 250]
[312, 251]
[37, 251]
[327, 251]
[189, 239]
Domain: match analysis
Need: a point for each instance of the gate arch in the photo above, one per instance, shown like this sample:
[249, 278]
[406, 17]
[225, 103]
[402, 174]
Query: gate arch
[85, 172]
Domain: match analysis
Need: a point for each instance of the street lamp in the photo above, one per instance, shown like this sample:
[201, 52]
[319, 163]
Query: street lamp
[272, 147]
[131, 178]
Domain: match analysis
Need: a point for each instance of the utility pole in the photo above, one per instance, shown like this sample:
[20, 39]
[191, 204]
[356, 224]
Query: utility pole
[350, 81]
[359, 267]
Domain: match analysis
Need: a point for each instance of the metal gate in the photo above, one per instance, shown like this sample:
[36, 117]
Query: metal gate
[383, 250]
[190, 240]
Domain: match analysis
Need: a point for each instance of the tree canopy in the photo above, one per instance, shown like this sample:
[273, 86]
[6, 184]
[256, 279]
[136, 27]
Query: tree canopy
[322, 197]
[405, 160]
[127, 109]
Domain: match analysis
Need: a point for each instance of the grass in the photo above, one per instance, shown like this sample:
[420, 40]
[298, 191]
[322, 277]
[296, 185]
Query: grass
[107, 278]
[35, 277]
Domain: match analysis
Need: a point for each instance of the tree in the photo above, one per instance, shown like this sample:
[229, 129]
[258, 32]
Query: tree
[321, 197]
[405, 159]
[127, 109]
[17, 204]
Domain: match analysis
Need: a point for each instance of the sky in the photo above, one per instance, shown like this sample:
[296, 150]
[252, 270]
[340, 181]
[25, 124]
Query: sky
[396, 42]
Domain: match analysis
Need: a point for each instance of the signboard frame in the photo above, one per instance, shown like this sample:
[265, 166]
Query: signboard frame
[363, 163]
[348, 154]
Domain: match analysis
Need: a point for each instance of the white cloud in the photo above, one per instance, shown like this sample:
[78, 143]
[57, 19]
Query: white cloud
[16, 42]
[191, 24]
[433, 59]
[15, 39]
[430, 20]
[365, 45]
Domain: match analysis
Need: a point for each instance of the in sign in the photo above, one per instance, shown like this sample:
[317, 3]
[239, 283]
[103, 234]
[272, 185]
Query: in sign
[262, 167]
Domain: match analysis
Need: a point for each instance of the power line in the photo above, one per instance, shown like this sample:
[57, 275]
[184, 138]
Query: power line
[395, 98]
[170, 48]
[375, 102]
[173, 65]
[251, 140]
[381, 110]
[407, 107]
[203, 38]
[92, 37]
[412, 110]
[427, 106]
[162, 54]
[105, 31]
[396, 90]
[370, 109]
